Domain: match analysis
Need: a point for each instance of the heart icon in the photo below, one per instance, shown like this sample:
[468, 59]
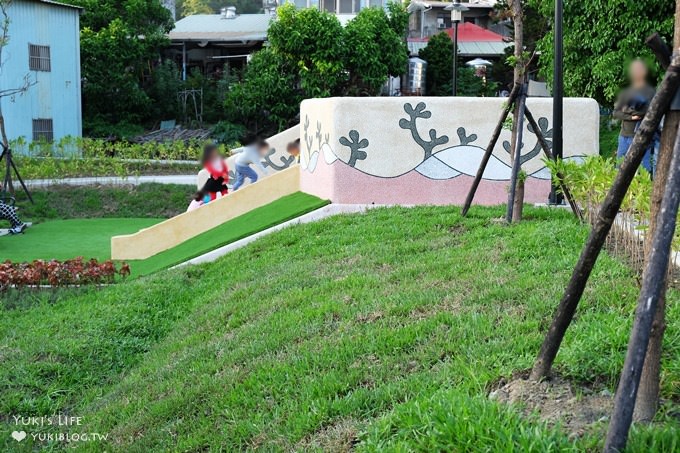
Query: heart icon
[19, 435]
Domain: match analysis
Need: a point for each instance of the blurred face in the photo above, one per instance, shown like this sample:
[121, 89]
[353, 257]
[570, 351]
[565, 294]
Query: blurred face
[294, 151]
[638, 72]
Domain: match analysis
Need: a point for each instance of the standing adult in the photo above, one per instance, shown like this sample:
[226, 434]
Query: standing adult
[631, 106]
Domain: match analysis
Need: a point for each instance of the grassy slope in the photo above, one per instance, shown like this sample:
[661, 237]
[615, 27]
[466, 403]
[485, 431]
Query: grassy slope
[259, 219]
[144, 200]
[388, 327]
[66, 239]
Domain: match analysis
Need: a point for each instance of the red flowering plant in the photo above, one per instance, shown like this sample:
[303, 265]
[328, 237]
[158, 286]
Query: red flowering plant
[74, 272]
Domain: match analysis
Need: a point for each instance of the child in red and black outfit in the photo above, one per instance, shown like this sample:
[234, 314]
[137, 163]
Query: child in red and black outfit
[216, 186]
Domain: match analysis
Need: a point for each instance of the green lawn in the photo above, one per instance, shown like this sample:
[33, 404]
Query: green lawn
[91, 238]
[259, 219]
[66, 239]
[378, 332]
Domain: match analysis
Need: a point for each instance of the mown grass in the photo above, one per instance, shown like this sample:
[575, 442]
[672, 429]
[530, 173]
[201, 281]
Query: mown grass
[149, 200]
[67, 239]
[381, 331]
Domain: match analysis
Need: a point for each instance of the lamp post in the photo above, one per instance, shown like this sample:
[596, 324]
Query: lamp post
[456, 16]
[558, 95]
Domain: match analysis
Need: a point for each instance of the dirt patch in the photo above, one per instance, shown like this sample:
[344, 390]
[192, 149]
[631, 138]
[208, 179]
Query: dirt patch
[558, 401]
[340, 436]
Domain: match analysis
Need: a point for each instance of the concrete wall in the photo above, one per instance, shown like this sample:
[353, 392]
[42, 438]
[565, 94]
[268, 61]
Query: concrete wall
[412, 150]
[56, 94]
[174, 231]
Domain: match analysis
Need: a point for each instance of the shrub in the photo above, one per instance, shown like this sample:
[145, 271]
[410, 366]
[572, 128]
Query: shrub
[89, 147]
[73, 272]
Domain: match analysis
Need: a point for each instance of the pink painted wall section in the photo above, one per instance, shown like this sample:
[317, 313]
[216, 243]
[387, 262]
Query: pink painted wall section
[342, 184]
[426, 150]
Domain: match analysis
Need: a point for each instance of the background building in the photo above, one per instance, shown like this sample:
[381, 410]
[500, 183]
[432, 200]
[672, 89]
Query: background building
[44, 44]
[211, 41]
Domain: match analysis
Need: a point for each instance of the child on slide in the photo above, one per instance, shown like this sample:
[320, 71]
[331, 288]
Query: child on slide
[216, 185]
[253, 151]
[216, 165]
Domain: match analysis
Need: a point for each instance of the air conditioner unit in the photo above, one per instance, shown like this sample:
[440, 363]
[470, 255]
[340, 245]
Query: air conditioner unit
[441, 25]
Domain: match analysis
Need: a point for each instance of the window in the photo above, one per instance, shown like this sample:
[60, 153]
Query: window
[345, 7]
[43, 130]
[328, 5]
[39, 58]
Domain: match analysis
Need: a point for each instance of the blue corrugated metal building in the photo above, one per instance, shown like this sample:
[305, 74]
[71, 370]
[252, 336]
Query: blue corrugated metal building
[44, 43]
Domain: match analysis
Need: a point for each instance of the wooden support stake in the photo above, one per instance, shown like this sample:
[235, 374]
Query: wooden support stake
[489, 149]
[653, 288]
[663, 54]
[549, 155]
[605, 218]
[517, 156]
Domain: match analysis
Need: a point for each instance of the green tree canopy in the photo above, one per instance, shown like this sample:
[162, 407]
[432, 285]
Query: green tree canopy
[119, 40]
[366, 38]
[311, 55]
[190, 7]
[600, 38]
[312, 41]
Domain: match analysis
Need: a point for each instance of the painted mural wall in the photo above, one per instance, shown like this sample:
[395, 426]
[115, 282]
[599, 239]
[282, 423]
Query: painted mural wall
[413, 150]
[56, 94]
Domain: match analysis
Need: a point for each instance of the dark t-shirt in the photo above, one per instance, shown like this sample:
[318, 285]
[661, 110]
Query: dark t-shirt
[632, 101]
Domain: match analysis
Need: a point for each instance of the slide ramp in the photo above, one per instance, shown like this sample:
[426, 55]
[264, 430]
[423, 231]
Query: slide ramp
[172, 232]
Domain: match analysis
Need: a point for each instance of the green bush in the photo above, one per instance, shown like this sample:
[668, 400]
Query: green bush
[228, 133]
[74, 167]
[69, 147]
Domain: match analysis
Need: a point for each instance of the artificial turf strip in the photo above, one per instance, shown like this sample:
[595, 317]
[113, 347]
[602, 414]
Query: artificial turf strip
[66, 239]
[275, 213]
[376, 332]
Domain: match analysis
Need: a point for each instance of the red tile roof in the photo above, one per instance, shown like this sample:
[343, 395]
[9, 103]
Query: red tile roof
[469, 32]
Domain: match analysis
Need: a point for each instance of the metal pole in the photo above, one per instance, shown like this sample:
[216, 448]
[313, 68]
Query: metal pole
[454, 88]
[184, 61]
[558, 95]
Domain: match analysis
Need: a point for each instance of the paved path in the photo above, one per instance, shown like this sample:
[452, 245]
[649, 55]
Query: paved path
[189, 180]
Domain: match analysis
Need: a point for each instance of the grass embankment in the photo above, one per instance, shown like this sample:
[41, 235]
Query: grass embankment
[118, 201]
[381, 331]
[275, 213]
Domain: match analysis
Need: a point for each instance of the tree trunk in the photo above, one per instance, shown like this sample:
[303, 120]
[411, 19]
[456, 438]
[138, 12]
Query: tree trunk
[648, 392]
[518, 114]
[605, 218]
[518, 24]
[518, 207]
[652, 291]
[489, 149]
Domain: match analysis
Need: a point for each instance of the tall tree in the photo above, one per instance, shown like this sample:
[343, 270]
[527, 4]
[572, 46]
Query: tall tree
[366, 37]
[600, 38]
[650, 382]
[313, 41]
[120, 42]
